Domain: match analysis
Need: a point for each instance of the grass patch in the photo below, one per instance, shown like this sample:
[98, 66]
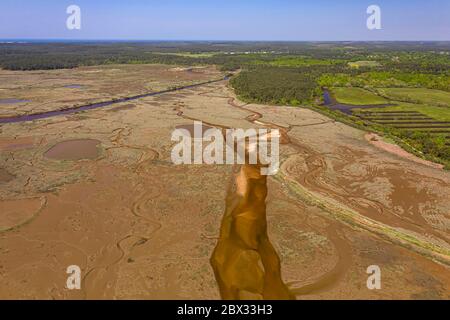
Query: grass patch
[437, 113]
[358, 64]
[417, 95]
[357, 96]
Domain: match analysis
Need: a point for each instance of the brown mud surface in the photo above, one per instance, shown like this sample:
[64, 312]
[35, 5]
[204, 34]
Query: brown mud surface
[5, 176]
[43, 91]
[74, 150]
[141, 227]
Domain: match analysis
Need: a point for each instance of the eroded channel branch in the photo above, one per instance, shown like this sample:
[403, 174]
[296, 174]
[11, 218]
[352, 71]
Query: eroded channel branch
[245, 263]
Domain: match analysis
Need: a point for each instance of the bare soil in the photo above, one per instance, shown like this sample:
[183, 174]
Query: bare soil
[141, 227]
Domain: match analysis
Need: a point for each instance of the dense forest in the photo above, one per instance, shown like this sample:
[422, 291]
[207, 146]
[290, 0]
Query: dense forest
[426, 57]
[281, 85]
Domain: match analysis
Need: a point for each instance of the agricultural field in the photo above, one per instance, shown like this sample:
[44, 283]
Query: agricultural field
[417, 95]
[356, 96]
[437, 113]
[424, 125]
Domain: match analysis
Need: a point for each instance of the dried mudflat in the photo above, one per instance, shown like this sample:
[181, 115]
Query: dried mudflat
[42, 91]
[5, 176]
[74, 150]
[140, 227]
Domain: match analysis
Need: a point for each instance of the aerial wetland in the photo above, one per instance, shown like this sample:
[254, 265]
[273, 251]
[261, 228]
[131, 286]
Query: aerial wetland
[87, 177]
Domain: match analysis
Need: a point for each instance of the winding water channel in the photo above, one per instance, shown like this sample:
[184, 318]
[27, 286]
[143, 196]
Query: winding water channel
[54, 113]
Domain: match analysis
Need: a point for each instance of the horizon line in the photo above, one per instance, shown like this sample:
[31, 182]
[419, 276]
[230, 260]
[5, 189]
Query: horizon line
[206, 40]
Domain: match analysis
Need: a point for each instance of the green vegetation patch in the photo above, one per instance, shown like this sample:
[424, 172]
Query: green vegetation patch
[280, 85]
[387, 79]
[357, 96]
[368, 64]
[417, 95]
[427, 136]
[437, 113]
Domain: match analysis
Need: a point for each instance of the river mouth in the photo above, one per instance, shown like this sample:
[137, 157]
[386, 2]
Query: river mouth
[5, 176]
[81, 149]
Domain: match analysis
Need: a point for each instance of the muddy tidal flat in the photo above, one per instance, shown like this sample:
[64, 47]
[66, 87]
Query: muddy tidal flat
[98, 189]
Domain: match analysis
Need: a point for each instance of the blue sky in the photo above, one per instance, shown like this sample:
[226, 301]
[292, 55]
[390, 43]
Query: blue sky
[226, 20]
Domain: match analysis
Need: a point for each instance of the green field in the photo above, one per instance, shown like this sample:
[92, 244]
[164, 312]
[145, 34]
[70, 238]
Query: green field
[437, 113]
[417, 95]
[419, 120]
[358, 64]
[357, 96]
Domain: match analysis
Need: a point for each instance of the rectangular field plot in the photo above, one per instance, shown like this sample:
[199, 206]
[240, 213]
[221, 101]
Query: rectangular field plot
[406, 120]
[438, 113]
[357, 96]
[417, 95]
